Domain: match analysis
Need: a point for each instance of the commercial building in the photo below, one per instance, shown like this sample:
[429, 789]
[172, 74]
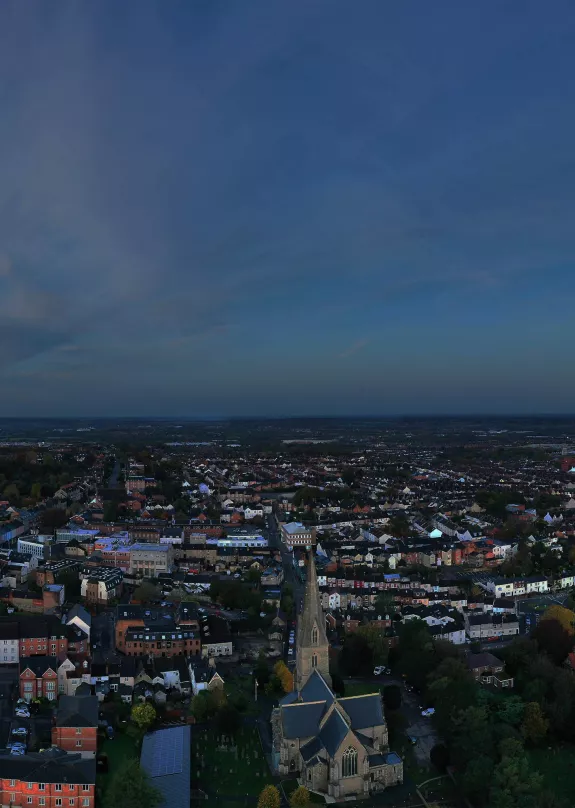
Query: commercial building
[101, 584]
[149, 560]
[294, 534]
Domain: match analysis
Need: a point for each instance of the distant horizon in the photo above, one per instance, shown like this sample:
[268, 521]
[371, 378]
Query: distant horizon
[352, 416]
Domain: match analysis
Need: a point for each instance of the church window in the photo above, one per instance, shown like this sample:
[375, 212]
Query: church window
[349, 762]
[314, 636]
[314, 661]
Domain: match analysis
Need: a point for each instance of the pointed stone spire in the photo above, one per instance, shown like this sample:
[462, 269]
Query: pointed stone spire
[312, 647]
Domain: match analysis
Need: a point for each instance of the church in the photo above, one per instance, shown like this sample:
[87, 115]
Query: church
[337, 746]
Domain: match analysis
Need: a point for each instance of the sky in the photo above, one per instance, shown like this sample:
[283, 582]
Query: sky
[312, 207]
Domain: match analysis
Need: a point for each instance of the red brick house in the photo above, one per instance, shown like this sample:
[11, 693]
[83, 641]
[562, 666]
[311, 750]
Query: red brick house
[76, 726]
[53, 779]
[39, 677]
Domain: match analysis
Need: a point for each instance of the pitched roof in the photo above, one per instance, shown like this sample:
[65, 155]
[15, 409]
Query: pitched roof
[76, 711]
[52, 766]
[301, 720]
[316, 689]
[333, 732]
[39, 665]
[166, 758]
[363, 711]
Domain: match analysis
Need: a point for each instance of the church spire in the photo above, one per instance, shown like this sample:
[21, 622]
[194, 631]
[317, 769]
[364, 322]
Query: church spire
[312, 647]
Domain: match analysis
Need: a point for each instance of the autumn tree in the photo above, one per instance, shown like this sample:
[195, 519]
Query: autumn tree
[535, 726]
[300, 798]
[269, 798]
[143, 715]
[284, 675]
[565, 617]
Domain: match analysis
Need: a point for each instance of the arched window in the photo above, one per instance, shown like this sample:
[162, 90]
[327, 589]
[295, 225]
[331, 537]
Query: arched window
[314, 661]
[314, 636]
[349, 762]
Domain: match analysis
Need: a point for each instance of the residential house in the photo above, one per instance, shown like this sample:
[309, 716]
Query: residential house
[38, 677]
[204, 676]
[51, 778]
[488, 669]
[76, 725]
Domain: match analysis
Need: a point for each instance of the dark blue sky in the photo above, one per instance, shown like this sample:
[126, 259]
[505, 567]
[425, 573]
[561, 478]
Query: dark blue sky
[300, 207]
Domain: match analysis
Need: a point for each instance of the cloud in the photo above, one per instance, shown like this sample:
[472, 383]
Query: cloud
[354, 348]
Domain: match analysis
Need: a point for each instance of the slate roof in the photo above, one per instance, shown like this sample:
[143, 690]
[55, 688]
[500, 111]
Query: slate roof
[52, 766]
[364, 711]
[77, 712]
[316, 689]
[38, 664]
[311, 749]
[302, 720]
[333, 732]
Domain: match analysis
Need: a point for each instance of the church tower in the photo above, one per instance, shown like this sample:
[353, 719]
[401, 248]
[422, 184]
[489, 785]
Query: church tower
[312, 647]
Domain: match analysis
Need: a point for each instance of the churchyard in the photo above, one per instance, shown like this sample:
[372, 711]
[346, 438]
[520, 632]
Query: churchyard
[232, 771]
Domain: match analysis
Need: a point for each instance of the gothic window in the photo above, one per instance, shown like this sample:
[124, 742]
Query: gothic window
[314, 661]
[314, 636]
[349, 762]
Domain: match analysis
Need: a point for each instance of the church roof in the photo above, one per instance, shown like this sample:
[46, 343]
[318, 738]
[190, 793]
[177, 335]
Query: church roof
[311, 749]
[301, 720]
[364, 711]
[333, 732]
[316, 689]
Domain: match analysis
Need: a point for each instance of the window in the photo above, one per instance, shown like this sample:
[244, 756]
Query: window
[41, 800]
[29, 786]
[58, 801]
[78, 730]
[86, 801]
[41, 786]
[71, 801]
[58, 787]
[29, 800]
[12, 783]
[314, 636]
[349, 762]
[314, 661]
[78, 743]
[85, 788]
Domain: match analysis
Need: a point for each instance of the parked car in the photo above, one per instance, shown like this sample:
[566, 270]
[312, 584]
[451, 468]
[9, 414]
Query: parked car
[20, 731]
[21, 713]
[110, 733]
[412, 739]
[426, 713]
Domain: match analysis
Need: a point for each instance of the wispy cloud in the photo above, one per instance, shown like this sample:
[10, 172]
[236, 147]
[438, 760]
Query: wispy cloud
[354, 348]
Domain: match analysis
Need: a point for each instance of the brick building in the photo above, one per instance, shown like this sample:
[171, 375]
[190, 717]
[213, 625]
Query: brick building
[38, 678]
[54, 779]
[76, 726]
[157, 631]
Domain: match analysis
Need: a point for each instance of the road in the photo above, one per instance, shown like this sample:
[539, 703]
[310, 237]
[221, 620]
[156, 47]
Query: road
[291, 575]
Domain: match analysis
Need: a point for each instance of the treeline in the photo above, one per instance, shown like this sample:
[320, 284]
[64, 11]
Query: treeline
[487, 733]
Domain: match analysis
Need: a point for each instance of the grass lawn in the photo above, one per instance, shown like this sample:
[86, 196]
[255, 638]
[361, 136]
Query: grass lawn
[233, 768]
[557, 765]
[118, 750]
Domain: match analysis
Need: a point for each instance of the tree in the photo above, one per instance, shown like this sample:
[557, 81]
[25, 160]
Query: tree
[385, 604]
[204, 705]
[565, 617]
[439, 756]
[356, 657]
[476, 778]
[143, 715]
[514, 783]
[147, 592]
[284, 675]
[553, 639]
[300, 798]
[376, 641]
[269, 798]
[535, 726]
[392, 697]
[228, 719]
[130, 787]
